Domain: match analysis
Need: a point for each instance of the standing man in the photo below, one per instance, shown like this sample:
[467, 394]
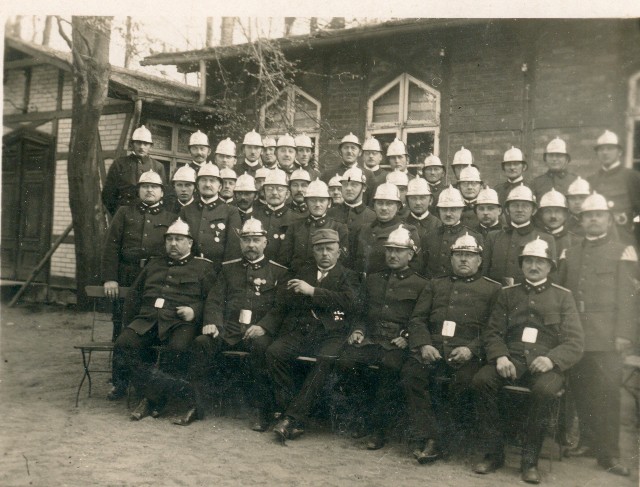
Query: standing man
[120, 187]
[184, 185]
[514, 167]
[251, 150]
[553, 213]
[225, 156]
[321, 303]
[433, 171]
[229, 178]
[576, 194]
[461, 159]
[245, 194]
[557, 177]
[286, 153]
[335, 190]
[397, 156]
[419, 201]
[469, 185]
[600, 271]
[304, 155]
[261, 175]
[532, 338]
[401, 181]
[372, 157]
[268, 155]
[488, 210]
[299, 181]
[199, 149]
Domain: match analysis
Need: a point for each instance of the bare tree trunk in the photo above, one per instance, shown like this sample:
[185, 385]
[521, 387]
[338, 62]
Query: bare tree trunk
[226, 31]
[128, 43]
[209, 41]
[313, 25]
[288, 25]
[46, 34]
[337, 23]
[15, 27]
[34, 29]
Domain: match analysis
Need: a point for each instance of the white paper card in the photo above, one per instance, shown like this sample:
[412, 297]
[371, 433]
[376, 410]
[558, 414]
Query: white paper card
[159, 303]
[448, 328]
[245, 316]
[529, 335]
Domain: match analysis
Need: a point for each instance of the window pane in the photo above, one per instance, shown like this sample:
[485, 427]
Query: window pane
[305, 114]
[161, 136]
[183, 140]
[387, 107]
[422, 104]
[419, 146]
[385, 140]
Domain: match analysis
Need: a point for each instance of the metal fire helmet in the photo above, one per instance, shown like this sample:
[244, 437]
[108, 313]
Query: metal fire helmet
[300, 175]
[396, 148]
[432, 160]
[579, 187]
[286, 141]
[350, 138]
[303, 140]
[387, 191]
[608, 138]
[400, 238]
[150, 177]
[226, 147]
[227, 173]
[354, 174]
[398, 178]
[252, 228]
[209, 169]
[185, 173]
[317, 189]
[552, 199]
[470, 174]
[488, 196]
[466, 243]
[252, 138]
[462, 158]
[372, 144]
[521, 193]
[245, 182]
[556, 146]
[594, 202]
[179, 227]
[276, 177]
[199, 138]
[418, 187]
[450, 198]
[537, 248]
[513, 155]
[142, 134]
[335, 181]
[263, 172]
[268, 142]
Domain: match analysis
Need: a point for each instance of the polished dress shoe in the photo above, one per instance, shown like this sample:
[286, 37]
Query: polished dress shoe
[142, 410]
[530, 474]
[117, 392]
[579, 451]
[192, 415]
[287, 429]
[613, 465]
[376, 441]
[262, 421]
[429, 453]
[490, 463]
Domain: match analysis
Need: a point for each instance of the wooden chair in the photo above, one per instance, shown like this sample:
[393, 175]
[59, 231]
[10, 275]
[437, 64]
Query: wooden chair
[88, 348]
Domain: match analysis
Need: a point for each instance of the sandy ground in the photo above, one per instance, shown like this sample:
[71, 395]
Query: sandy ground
[46, 441]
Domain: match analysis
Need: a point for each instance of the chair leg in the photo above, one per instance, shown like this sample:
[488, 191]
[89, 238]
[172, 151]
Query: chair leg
[86, 374]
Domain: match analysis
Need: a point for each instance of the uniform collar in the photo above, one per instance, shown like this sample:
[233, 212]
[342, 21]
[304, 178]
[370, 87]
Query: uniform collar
[613, 166]
[596, 240]
[495, 225]
[212, 204]
[394, 221]
[374, 169]
[359, 208]
[317, 222]
[278, 211]
[228, 201]
[476, 276]
[248, 212]
[435, 185]
[178, 262]
[521, 229]
[557, 174]
[187, 203]
[152, 210]
[252, 165]
[299, 207]
[470, 203]
[421, 217]
[558, 232]
[452, 228]
[256, 264]
[517, 180]
[538, 287]
[401, 274]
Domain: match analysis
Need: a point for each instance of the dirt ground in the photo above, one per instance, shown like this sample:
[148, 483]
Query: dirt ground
[46, 441]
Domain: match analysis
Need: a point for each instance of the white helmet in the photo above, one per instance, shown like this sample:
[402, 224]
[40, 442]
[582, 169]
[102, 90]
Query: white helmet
[263, 172]
[179, 227]
[350, 138]
[537, 248]
[252, 138]
[226, 173]
[387, 191]
[608, 138]
[466, 243]
[198, 138]
[594, 202]
[556, 146]
[354, 173]
[400, 238]
[286, 141]
[553, 198]
[150, 177]
[579, 187]
[513, 155]
[303, 140]
[521, 193]
[488, 196]
[470, 174]
[317, 189]
[268, 142]
[142, 134]
[252, 228]
[462, 158]
[300, 175]
[398, 178]
[185, 173]
[396, 148]
[418, 187]
[450, 198]
[209, 169]
[335, 181]
[245, 182]
[276, 177]
[432, 160]
[226, 147]
[372, 144]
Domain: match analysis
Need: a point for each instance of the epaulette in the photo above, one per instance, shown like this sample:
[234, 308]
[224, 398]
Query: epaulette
[202, 258]
[277, 264]
[512, 285]
[491, 280]
[560, 287]
[232, 261]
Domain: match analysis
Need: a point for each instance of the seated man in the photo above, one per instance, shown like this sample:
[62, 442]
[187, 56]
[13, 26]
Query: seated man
[533, 336]
[444, 334]
[379, 335]
[164, 307]
[241, 314]
[321, 301]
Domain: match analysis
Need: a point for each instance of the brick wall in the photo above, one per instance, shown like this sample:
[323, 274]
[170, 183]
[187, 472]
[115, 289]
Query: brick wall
[14, 89]
[44, 88]
[110, 129]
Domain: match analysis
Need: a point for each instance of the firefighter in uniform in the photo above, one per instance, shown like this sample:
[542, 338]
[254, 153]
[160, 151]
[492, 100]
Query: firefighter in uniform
[304, 155]
[252, 150]
[444, 336]
[211, 220]
[372, 157]
[557, 177]
[379, 336]
[321, 302]
[398, 157]
[243, 312]
[120, 187]
[184, 186]
[533, 336]
[286, 153]
[470, 184]
[552, 216]
[245, 194]
[199, 149]
[600, 270]
[335, 190]
[164, 307]
[513, 166]
[401, 181]
[419, 202]
[433, 172]
[225, 155]
[576, 194]
[229, 178]
[268, 155]
[488, 211]
[299, 181]
[261, 175]
[461, 159]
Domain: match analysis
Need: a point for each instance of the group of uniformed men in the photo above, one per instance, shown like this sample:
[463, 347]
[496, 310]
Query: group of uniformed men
[385, 277]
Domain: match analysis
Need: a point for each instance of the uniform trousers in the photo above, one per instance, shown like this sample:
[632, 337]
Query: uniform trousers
[314, 342]
[487, 384]
[595, 383]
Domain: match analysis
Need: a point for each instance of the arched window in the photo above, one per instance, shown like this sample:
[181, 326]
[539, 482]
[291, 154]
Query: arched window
[633, 123]
[408, 109]
[295, 112]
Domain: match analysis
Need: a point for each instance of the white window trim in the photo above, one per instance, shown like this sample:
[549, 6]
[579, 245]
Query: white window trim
[633, 116]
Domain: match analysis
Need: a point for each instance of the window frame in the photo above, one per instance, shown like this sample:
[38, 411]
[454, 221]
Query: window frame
[633, 118]
[172, 156]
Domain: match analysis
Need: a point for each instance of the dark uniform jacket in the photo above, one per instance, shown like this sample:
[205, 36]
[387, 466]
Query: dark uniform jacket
[175, 206]
[162, 286]
[466, 301]
[242, 167]
[389, 299]
[559, 181]
[425, 224]
[340, 170]
[120, 187]
[548, 308]
[435, 189]
[275, 223]
[136, 233]
[469, 216]
[354, 216]
[332, 307]
[313, 172]
[296, 250]
[564, 238]
[485, 231]
[503, 189]
[574, 226]
[299, 211]
[213, 229]
[245, 215]
[436, 249]
[502, 249]
[256, 287]
[601, 275]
